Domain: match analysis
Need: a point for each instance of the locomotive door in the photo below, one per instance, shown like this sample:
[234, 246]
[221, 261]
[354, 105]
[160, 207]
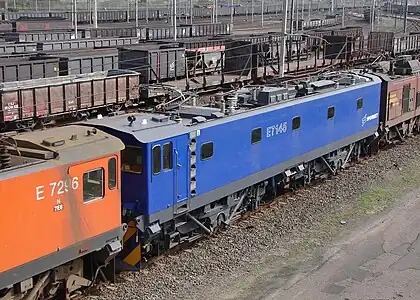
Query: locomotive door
[181, 168]
[92, 191]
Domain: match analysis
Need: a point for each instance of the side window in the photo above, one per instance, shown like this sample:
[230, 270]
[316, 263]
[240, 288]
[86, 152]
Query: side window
[93, 185]
[112, 173]
[331, 112]
[359, 103]
[206, 151]
[296, 123]
[406, 91]
[156, 156]
[132, 159]
[418, 99]
[256, 135]
[167, 156]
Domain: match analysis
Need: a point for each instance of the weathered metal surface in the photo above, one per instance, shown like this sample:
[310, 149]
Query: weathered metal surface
[28, 37]
[26, 68]
[154, 63]
[65, 95]
[380, 41]
[8, 48]
[86, 43]
[74, 62]
[39, 24]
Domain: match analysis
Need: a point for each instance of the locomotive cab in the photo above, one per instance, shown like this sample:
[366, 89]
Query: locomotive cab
[155, 175]
[67, 187]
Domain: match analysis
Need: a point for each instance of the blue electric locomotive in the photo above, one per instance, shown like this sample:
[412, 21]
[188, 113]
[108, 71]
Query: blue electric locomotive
[191, 172]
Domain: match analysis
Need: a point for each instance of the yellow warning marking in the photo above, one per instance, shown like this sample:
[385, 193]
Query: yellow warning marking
[131, 230]
[134, 257]
[393, 98]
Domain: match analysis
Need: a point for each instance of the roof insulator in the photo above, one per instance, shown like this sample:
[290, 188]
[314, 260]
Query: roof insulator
[131, 120]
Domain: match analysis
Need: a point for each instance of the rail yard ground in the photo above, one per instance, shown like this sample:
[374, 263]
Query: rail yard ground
[354, 235]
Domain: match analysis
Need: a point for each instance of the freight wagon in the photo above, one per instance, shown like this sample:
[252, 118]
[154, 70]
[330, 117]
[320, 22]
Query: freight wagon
[9, 48]
[186, 31]
[207, 60]
[200, 56]
[158, 33]
[85, 61]
[114, 32]
[27, 67]
[162, 13]
[40, 24]
[379, 42]
[5, 26]
[406, 44]
[313, 23]
[194, 43]
[212, 29]
[338, 47]
[153, 63]
[27, 37]
[23, 102]
[10, 16]
[86, 44]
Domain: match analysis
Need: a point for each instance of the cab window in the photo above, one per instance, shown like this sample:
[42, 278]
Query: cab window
[157, 165]
[93, 185]
[206, 151]
[132, 160]
[112, 173]
[167, 156]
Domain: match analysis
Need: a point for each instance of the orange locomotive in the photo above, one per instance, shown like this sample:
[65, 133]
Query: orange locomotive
[60, 205]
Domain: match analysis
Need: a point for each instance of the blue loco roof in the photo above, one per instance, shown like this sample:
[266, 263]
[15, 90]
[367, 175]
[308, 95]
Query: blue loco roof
[149, 127]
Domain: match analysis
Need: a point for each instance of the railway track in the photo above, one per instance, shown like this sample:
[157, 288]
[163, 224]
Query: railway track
[413, 24]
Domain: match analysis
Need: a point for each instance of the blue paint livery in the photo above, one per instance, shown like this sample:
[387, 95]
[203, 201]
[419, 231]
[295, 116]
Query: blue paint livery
[234, 157]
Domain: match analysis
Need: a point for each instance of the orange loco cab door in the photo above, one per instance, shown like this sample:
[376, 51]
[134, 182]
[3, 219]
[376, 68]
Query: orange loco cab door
[98, 208]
